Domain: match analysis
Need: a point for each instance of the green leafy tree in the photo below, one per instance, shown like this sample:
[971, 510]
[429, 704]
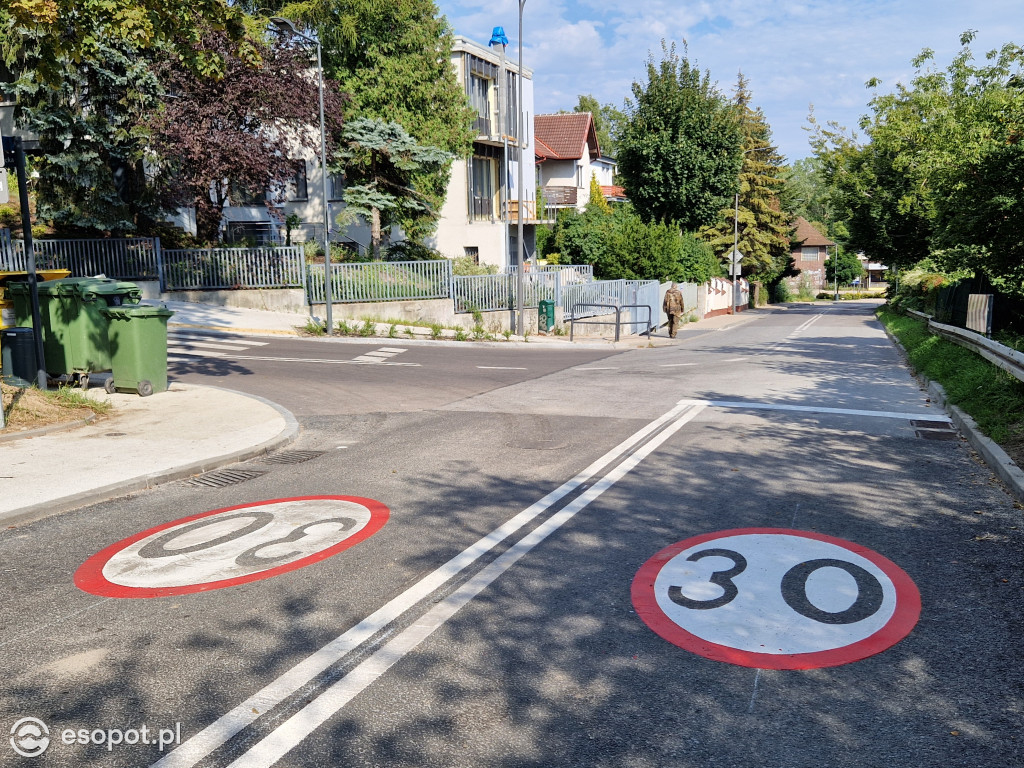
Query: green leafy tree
[942, 170]
[381, 163]
[846, 265]
[597, 199]
[620, 245]
[607, 122]
[50, 38]
[394, 59]
[679, 148]
[763, 225]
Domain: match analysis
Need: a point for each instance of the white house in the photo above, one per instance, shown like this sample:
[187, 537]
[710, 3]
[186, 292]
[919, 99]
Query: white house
[479, 217]
[568, 155]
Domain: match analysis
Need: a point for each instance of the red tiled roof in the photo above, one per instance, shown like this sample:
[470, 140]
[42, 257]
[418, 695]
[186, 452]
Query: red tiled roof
[565, 135]
[807, 235]
[542, 150]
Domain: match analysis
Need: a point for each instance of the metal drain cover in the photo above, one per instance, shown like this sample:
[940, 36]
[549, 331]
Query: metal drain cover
[224, 477]
[292, 457]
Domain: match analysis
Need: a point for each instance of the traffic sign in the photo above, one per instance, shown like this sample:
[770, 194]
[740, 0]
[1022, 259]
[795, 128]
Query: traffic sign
[774, 598]
[229, 546]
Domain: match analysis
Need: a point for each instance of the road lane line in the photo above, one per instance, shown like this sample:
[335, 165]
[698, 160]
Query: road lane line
[599, 368]
[210, 344]
[677, 365]
[195, 353]
[289, 734]
[316, 360]
[500, 368]
[809, 409]
[231, 723]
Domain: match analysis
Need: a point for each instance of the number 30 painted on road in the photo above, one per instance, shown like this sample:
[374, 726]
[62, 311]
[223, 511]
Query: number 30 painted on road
[776, 599]
[230, 546]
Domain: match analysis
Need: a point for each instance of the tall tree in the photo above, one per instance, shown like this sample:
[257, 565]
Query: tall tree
[763, 226]
[679, 150]
[607, 122]
[394, 58]
[381, 163]
[244, 132]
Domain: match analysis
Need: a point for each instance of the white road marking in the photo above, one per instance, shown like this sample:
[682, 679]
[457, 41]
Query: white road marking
[227, 726]
[393, 350]
[599, 368]
[212, 337]
[810, 409]
[677, 365]
[194, 353]
[316, 360]
[500, 368]
[288, 735]
[209, 344]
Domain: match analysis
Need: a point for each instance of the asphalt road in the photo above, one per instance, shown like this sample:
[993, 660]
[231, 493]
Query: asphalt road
[761, 547]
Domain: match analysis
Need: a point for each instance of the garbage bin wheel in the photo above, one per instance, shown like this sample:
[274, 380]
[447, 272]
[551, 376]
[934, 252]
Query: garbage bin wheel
[145, 388]
[108, 386]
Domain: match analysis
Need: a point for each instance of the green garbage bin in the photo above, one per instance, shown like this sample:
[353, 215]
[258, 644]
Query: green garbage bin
[74, 330]
[138, 347]
[545, 315]
[18, 356]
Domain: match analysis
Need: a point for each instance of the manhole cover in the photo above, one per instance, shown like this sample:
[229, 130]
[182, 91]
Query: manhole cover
[936, 434]
[292, 457]
[925, 424]
[224, 477]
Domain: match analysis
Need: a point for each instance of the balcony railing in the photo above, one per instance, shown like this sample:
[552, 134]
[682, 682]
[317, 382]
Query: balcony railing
[547, 213]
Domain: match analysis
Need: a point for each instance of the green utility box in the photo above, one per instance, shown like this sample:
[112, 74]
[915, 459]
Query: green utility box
[545, 315]
[74, 330]
[138, 347]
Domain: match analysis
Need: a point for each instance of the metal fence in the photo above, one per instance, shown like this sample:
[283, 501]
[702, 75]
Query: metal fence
[225, 268]
[131, 258]
[381, 281]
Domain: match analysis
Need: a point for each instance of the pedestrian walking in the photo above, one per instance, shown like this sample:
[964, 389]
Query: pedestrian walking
[674, 307]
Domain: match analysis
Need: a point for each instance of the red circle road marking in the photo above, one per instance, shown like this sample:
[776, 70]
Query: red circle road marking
[90, 577]
[905, 613]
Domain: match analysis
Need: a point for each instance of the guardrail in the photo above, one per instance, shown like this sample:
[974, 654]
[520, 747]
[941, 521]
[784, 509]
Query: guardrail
[618, 317]
[1010, 360]
[225, 268]
[381, 281]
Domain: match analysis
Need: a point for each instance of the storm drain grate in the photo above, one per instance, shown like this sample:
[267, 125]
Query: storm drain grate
[924, 424]
[292, 457]
[938, 434]
[223, 477]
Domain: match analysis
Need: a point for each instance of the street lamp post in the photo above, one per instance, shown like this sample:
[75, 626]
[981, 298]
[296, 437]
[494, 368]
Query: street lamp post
[520, 245]
[734, 265]
[289, 26]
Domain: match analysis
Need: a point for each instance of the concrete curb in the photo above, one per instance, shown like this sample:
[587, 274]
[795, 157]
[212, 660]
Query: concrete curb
[63, 426]
[994, 456]
[143, 482]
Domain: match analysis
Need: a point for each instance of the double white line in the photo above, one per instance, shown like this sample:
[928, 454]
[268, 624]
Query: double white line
[286, 736]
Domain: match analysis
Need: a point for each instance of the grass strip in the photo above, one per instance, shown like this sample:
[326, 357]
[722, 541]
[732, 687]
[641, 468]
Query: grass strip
[990, 395]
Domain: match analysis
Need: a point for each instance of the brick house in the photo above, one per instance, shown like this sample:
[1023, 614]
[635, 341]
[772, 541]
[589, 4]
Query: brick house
[809, 249]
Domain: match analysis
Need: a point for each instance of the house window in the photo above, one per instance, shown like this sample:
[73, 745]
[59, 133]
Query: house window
[484, 187]
[298, 188]
[809, 254]
[239, 196]
[479, 97]
[579, 175]
[472, 252]
[336, 187]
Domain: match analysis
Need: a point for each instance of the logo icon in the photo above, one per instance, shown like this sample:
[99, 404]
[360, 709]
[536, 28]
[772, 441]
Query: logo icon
[30, 737]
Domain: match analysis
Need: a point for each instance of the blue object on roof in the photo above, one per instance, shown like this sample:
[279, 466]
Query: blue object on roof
[498, 36]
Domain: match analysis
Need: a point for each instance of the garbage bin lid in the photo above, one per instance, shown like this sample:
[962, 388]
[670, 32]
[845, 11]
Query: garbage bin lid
[135, 310]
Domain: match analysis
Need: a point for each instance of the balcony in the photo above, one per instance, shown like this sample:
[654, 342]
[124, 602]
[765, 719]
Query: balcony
[547, 214]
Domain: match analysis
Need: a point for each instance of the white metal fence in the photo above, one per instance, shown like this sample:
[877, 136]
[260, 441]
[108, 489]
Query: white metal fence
[130, 258]
[381, 281]
[225, 268]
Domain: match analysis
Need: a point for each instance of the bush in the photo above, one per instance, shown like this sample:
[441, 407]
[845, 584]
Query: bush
[464, 265]
[407, 250]
[782, 294]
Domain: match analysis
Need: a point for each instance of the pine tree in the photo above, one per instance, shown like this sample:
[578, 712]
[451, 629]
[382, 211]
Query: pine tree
[763, 225]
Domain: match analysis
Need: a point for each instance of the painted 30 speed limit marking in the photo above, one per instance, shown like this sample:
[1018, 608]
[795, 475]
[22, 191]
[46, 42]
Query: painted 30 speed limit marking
[773, 598]
[230, 546]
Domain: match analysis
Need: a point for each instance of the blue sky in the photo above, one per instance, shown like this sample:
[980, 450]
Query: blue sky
[793, 53]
